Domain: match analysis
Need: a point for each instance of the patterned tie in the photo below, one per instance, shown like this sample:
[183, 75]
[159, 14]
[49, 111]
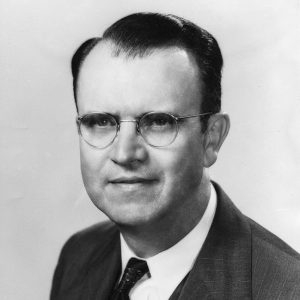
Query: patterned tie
[134, 271]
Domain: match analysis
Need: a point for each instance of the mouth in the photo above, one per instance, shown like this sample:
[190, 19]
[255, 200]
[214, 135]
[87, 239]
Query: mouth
[133, 180]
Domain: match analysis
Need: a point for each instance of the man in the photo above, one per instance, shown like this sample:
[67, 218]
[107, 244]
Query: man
[148, 96]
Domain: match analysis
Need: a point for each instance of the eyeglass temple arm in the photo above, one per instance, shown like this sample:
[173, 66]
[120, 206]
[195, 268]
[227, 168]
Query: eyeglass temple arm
[194, 116]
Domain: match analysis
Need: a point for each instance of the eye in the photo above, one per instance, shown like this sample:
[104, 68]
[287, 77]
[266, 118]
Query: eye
[98, 120]
[158, 121]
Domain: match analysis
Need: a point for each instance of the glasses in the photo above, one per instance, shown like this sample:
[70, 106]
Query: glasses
[158, 129]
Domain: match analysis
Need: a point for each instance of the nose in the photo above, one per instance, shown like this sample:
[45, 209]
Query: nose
[128, 148]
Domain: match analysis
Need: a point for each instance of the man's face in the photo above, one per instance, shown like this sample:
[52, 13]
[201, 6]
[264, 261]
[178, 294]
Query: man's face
[132, 182]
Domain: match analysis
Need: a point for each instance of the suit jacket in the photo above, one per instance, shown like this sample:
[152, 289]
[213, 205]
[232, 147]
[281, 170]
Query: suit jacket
[239, 260]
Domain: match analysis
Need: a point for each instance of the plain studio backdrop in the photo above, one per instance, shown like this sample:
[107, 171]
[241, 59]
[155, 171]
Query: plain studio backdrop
[43, 200]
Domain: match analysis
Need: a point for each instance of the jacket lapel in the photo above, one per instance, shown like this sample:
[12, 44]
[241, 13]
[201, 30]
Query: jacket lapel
[104, 270]
[223, 268]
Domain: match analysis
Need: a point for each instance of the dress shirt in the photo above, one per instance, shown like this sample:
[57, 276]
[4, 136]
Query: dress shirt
[168, 268]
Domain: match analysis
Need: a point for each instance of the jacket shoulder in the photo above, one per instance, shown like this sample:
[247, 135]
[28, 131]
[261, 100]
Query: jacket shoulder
[275, 266]
[79, 255]
[90, 239]
[261, 236]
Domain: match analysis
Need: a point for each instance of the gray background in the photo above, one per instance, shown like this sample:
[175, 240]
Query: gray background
[42, 197]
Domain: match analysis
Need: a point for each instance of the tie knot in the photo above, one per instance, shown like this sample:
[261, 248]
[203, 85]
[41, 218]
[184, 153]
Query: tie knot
[134, 271]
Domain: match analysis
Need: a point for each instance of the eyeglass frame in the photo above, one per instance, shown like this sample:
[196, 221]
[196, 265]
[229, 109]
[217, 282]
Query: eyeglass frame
[137, 121]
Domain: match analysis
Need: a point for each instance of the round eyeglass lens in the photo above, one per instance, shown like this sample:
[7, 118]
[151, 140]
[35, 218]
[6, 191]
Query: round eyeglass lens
[98, 129]
[158, 129]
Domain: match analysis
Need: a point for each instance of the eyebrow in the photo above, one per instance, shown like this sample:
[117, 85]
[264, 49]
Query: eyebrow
[138, 117]
[118, 117]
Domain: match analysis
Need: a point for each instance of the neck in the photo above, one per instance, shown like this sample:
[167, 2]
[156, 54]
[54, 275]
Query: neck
[147, 240]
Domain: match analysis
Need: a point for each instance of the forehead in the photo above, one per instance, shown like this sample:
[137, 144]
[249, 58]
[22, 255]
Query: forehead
[165, 80]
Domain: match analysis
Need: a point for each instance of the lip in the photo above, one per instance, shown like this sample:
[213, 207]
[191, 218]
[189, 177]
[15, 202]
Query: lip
[131, 180]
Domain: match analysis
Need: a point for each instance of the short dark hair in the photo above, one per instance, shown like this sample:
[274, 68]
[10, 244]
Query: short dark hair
[141, 33]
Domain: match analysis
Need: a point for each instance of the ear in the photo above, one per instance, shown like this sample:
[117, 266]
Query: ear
[217, 130]
[77, 125]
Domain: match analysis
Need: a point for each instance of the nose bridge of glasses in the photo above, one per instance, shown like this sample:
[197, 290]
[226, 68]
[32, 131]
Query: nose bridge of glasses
[127, 120]
[130, 121]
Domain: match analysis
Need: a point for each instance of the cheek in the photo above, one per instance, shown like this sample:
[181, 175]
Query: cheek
[92, 162]
[183, 167]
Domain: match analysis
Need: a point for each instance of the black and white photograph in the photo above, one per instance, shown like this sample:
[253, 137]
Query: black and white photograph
[150, 150]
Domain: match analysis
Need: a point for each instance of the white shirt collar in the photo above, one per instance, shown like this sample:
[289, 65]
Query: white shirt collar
[169, 267]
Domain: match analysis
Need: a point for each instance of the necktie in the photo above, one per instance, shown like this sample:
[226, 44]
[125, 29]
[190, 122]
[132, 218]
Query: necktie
[134, 271]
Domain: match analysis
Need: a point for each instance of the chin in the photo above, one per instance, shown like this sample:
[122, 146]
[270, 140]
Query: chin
[132, 220]
[123, 212]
